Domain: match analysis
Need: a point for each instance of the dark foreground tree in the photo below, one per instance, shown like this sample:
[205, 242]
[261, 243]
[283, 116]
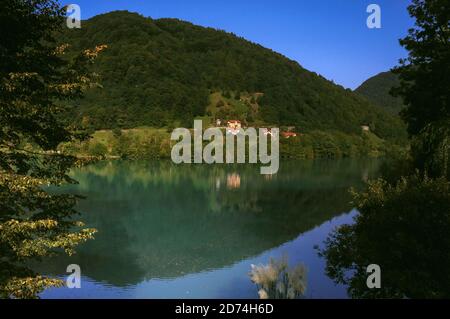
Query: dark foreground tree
[403, 229]
[35, 80]
[425, 85]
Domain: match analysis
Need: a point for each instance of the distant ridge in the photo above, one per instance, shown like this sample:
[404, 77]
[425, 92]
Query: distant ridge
[376, 90]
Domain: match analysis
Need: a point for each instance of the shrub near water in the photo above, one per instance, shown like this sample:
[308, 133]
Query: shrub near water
[431, 149]
[404, 228]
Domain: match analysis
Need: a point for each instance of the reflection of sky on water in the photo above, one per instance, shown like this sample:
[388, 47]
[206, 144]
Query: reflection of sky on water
[228, 282]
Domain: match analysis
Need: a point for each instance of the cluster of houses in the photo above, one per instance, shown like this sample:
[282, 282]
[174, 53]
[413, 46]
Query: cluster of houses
[233, 126]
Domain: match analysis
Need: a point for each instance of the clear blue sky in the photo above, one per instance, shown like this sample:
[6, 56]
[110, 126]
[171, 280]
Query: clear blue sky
[329, 37]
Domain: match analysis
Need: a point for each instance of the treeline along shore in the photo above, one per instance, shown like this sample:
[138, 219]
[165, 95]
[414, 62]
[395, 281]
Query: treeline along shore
[155, 143]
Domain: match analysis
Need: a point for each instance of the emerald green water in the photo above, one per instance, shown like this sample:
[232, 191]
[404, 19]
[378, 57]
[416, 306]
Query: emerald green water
[168, 231]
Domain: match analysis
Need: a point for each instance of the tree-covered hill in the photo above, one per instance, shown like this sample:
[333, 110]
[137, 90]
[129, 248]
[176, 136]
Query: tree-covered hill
[166, 72]
[376, 90]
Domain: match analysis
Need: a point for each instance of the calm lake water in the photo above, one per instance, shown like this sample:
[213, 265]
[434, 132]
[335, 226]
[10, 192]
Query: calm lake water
[167, 231]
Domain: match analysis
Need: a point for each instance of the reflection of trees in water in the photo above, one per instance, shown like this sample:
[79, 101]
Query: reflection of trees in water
[233, 180]
[162, 220]
[406, 231]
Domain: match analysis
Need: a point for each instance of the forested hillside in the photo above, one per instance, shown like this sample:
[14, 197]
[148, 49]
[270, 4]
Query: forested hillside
[376, 90]
[166, 72]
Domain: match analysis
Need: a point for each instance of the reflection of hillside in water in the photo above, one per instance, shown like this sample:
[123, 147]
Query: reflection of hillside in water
[160, 220]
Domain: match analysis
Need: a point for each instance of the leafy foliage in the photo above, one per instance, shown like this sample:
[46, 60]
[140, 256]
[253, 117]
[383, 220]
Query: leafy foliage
[424, 80]
[425, 85]
[402, 228]
[431, 149]
[34, 80]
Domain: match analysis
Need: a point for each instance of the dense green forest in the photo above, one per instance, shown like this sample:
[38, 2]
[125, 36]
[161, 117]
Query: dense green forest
[166, 72]
[377, 90]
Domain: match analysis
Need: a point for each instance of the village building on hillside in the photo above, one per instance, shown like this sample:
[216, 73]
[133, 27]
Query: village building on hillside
[233, 126]
[288, 134]
[365, 128]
